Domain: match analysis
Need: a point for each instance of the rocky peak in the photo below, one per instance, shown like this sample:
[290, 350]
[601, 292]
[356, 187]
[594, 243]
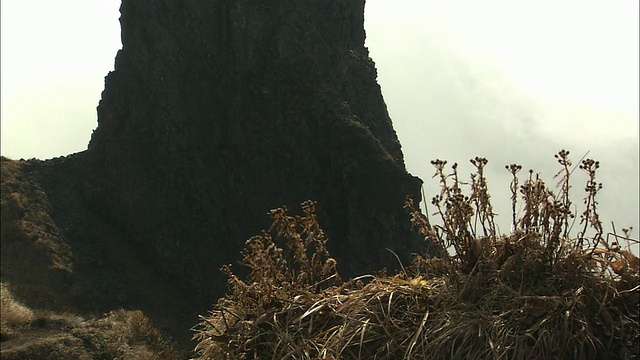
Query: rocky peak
[220, 110]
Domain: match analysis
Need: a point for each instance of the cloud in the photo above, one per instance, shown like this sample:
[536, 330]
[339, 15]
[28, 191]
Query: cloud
[512, 81]
[495, 81]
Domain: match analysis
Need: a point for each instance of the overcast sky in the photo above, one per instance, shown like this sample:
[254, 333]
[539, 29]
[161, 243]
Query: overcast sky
[515, 82]
[512, 81]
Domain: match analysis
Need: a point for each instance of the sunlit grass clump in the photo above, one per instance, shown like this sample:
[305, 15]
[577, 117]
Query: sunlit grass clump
[536, 293]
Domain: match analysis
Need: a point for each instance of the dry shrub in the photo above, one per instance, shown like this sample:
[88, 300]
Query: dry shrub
[537, 293]
[41, 334]
[12, 313]
[279, 286]
[125, 334]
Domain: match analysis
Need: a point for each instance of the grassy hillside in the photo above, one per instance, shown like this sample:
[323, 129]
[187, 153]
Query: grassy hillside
[62, 282]
[39, 334]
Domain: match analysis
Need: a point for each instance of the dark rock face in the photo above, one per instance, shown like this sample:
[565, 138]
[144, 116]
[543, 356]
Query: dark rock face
[220, 110]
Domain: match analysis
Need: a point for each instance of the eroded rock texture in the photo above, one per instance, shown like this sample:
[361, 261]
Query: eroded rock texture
[220, 110]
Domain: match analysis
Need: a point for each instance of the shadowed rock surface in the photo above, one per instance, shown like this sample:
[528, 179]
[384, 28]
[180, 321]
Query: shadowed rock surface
[218, 111]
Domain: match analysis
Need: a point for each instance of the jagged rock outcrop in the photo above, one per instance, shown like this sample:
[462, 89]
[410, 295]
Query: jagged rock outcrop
[218, 111]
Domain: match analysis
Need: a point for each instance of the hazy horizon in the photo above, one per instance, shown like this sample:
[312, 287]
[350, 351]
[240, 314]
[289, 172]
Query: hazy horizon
[515, 82]
[512, 81]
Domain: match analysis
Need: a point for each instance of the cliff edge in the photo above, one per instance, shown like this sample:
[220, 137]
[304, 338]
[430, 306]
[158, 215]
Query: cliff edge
[217, 111]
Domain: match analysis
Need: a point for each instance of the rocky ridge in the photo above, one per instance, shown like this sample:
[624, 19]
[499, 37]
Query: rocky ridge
[216, 112]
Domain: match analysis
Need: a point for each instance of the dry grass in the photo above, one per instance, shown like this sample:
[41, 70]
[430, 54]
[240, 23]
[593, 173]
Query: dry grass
[126, 334]
[35, 257]
[39, 334]
[536, 293]
[12, 314]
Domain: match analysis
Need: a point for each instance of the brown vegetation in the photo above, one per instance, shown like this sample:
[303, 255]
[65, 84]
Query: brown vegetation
[536, 293]
[39, 334]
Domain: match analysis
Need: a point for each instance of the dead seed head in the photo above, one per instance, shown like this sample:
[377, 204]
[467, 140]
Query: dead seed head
[536, 292]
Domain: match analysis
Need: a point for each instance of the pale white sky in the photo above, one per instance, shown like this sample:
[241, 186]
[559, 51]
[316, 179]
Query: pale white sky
[513, 81]
[55, 55]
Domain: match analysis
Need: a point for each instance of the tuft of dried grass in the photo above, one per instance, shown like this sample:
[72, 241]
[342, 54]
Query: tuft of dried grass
[536, 293]
[42, 334]
[13, 314]
[128, 334]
